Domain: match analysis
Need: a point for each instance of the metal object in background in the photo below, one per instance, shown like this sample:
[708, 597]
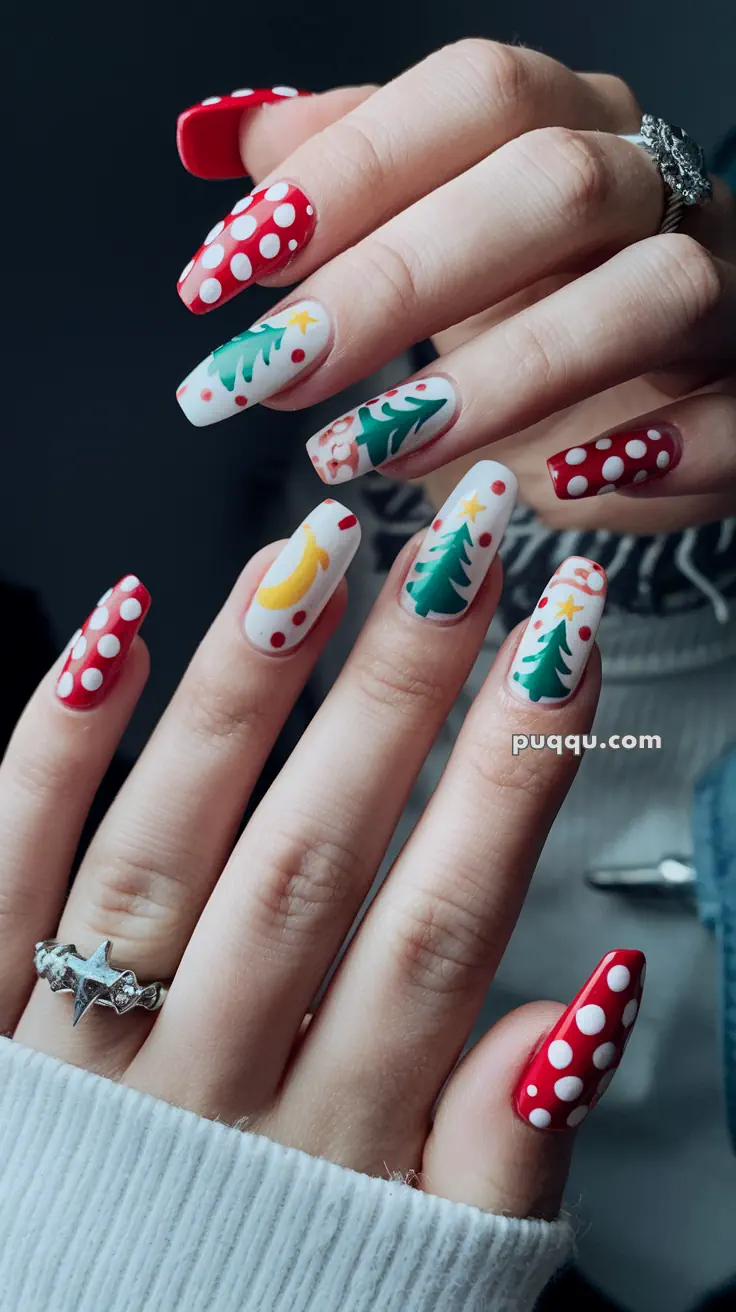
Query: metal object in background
[674, 877]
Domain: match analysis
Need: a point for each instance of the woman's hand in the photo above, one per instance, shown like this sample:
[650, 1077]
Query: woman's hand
[248, 930]
[484, 198]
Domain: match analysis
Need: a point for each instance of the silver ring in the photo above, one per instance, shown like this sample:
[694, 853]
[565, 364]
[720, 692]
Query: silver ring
[681, 164]
[92, 980]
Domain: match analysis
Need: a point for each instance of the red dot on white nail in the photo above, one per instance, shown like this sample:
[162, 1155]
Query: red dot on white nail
[277, 639]
[484, 540]
[584, 632]
[297, 355]
[299, 617]
[498, 487]
[205, 394]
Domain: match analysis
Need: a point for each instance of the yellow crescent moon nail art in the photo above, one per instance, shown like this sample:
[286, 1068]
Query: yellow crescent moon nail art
[279, 596]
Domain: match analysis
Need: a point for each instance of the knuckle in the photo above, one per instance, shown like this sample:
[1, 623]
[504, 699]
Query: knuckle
[391, 275]
[442, 945]
[308, 879]
[691, 272]
[215, 710]
[357, 155]
[539, 351]
[133, 901]
[393, 683]
[506, 72]
[575, 165]
[527, 777]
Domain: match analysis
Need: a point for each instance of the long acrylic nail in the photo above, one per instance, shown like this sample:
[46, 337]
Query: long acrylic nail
[558, 639]
[255, 365]
[303, 577]
[260, 235]
[580, 1056]
[207, 134]
[458, 548]
[393, 424]
[620, 460]
[98, 651]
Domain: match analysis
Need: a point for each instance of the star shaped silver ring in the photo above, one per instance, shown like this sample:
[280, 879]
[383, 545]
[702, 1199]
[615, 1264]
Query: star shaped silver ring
[92, 980]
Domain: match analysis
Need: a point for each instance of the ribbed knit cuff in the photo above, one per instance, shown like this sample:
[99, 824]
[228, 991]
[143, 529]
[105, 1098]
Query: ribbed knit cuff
[110, 1199]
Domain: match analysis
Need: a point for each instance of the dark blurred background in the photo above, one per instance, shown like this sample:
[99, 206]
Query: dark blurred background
[101, 473]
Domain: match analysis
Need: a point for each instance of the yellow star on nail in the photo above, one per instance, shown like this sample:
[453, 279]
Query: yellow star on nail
[567, 608]
[471, 507]
[301, 319]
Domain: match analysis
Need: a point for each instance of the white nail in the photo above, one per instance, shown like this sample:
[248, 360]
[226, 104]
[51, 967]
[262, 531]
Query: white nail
[255, 365]
[459, 547]
[299, 584]
[559, 637]
[393, 424]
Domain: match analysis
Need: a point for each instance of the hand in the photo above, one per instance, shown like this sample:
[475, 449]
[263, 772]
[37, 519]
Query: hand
[249, 929]
[485, 198]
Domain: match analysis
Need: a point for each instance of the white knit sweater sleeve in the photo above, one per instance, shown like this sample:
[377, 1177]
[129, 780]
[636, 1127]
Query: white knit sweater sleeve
[110, 1199]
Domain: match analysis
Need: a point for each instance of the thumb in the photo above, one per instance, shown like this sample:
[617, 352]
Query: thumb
[540, 1069]
[252, 130]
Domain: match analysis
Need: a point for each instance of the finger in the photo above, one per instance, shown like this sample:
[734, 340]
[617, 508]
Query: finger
[548, 198]
[311, 851]
[54, 763]
[402, 142]
[667, 300]
[408, 992]
[167, 836]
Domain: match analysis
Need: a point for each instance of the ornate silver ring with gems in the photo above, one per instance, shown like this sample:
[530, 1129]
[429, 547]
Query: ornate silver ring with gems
[681, 164]
[92, 980]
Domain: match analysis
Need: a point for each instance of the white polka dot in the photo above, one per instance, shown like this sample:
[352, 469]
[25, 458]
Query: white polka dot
[65, 685]
[214, 232]
[241, 205]
[663, 459]
[108, 646]
[604, 1055]
[590, 1019]
[277, 191]
[532, 1090]
[595, 581]
[73, 640]
[577, 486]
[603, 443]
[310, 210]
[211, 100]
[92, 679]
[210, 291]
[630, 1011]
[130, 609]
[642, 977]
[284, 216]
[241, 267]
[640, 476]
[636, 448]
[607, 487]
[540, 1117]
[213, 256]
[269, 246]
[285, 91]
[128, 583]
[575, 456]
[98, 619]
[105, 597]
[293, 244]
[612, 469]
[559, 1054]
[243, 228]
[577, 1115]
[654, 434]
[242, 91]
[79, 649]
[568, 1088]
[618, 978]
[186, 271]
[604, 1083]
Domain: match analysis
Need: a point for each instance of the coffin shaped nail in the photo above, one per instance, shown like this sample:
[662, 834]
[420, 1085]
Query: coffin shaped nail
[620, 460]
[256, 364]
[580, 1056]
[98, 651]
[558, 639]
[303, 577]
[393, 424]
[207, 134]
[260, 235]
[460, 544]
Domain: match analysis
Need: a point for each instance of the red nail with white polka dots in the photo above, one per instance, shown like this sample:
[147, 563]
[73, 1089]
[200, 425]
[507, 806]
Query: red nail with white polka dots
[580, 1056]
[260, 235]
[208, 133]
[98, 651]
[622, 459]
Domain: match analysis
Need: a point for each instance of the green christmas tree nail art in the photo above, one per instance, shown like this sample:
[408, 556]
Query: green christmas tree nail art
[385, 433]
[558, 639]
[402, 420]
[241, 353]
[543, 679]
[437, 589]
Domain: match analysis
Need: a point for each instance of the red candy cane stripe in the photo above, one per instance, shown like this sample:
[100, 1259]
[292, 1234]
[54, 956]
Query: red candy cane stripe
[262, 232]
[98, 651]
[619, 460]
[579, 1057]
[207, 134]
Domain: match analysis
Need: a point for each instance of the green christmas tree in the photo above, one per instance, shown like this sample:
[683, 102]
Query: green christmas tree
[242, 352]
[384, 436]
[543, 680]
[436, 590]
